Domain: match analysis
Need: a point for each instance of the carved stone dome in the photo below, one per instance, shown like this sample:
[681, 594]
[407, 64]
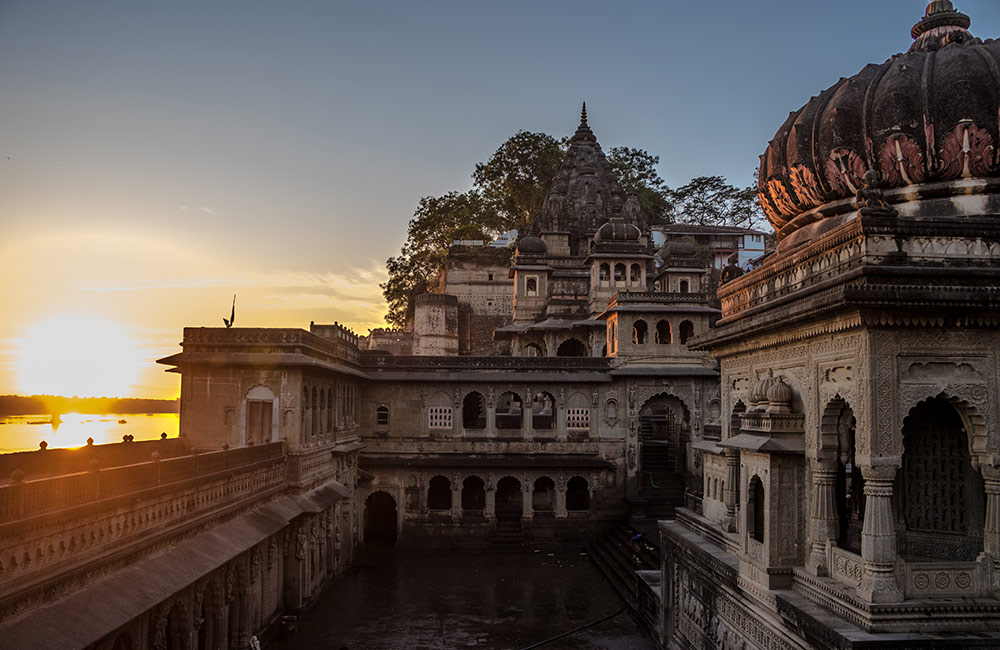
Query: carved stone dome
[928, 116]
[681, 248]
[617, 231]
[779, 395]
[531, 245]
[758, 394]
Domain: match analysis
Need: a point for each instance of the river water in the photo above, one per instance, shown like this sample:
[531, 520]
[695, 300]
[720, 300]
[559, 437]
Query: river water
[501, 600]
[24, 432]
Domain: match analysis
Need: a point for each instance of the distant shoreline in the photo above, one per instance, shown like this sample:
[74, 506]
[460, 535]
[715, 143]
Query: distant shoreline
[52, 404]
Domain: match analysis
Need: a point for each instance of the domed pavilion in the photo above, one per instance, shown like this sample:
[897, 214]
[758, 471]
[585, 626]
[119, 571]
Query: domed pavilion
[854, 498]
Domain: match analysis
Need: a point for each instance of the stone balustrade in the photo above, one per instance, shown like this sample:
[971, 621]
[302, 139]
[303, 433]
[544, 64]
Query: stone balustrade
[82, 525]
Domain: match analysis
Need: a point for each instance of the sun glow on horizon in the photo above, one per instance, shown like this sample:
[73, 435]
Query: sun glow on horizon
[78, 354]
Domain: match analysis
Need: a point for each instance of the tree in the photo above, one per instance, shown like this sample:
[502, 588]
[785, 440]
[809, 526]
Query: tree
[711, 201]
[436, 223]
[508, 190]
[518, 174]
[636, 170]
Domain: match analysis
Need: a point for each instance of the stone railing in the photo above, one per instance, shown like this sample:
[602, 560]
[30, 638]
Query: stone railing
[844, 566]
[489, 446]
[693, 502]
[32, 498]
[270, 339]
[947, 579]
[656, 297]
[60, 531]
[486, 363]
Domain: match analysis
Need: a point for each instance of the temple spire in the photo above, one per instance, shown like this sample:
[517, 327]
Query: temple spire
[583, 115]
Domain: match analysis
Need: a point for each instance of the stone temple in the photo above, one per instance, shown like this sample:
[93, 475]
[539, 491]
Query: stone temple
[816, 437]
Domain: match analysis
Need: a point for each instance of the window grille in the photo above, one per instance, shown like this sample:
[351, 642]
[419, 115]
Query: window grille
[578, 418]
[439, 417]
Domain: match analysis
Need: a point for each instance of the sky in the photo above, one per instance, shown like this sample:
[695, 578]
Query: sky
[158, 157]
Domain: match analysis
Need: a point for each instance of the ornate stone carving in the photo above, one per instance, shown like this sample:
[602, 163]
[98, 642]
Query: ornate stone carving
[966, 151]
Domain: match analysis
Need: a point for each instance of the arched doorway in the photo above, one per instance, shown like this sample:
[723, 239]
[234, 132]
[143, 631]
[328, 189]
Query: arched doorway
[942, 496]
[661, 460]
[509, 504]
[380, 520]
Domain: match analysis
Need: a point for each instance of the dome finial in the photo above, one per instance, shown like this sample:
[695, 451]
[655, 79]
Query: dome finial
[583, 115]
[944, 21]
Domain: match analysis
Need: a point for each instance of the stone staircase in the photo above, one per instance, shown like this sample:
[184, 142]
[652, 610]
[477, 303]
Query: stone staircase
[612, 553]
[659, 496]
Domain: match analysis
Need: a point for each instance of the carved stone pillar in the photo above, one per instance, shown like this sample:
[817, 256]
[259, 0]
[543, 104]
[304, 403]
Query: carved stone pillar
[991, 527]
[491, 499]
[822, 514]
[730, 492]
[527, 506]
[878, 537]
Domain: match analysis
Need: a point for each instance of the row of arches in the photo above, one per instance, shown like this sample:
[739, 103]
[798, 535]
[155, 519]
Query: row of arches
[938, 493]
[325, 407]
[663, 332]
[622, 273]
[473, 493]
[571, 347]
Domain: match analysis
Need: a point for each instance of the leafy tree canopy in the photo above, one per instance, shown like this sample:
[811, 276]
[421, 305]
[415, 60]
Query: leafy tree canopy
[636, 170]
[711, 201]
[516, 177]
[509, 189]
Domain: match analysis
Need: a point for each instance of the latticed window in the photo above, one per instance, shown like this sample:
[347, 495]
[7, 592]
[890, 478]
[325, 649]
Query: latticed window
[382, 416]
[439, 417]
[578, 418]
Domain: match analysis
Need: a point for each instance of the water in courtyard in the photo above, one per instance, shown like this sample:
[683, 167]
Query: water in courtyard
[447, 600]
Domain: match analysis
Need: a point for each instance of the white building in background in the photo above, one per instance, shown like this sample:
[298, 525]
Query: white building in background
[723, 240]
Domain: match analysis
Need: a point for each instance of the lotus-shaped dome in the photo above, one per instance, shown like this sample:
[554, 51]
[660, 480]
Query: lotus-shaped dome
[617, 231]
[928, 116]
[531, 245]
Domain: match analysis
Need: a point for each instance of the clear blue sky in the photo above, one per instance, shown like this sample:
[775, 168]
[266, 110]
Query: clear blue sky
[280, 143]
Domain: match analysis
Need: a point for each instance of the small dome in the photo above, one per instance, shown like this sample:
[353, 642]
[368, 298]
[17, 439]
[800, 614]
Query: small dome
[758, 394]
[779, 396]
[681, 248]
[531, 245]
[617, 231]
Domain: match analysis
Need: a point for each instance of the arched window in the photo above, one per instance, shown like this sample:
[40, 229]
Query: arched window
[533, 350]
[571, 348]
[474, 412]
[531, 286]
[577, 494]
[663, 335]
[619, 273]
[755, 509]
[473, 494]
[684, 286]
[604, 274]
[439, 494]
[509, 411]
[260, 403]
[640, 332]
[382, 416]
[635, 274]
[543, 409]
[543, 495]
[686, 331]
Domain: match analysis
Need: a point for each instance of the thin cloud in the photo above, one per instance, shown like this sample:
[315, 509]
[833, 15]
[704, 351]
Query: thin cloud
[359, 279]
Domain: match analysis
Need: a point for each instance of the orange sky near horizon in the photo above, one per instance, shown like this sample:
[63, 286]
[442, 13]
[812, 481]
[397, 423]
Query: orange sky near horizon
[90, 312]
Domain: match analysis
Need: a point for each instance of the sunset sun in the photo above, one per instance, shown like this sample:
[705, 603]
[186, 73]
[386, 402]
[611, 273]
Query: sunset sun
[75, 354]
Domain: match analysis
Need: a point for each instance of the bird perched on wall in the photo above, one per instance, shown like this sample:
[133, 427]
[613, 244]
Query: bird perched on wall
[232, 317]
